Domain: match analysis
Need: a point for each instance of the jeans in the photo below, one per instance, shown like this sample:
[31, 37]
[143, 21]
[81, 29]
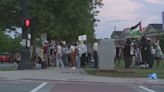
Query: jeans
[78, 61]
[65, 60]
[59, 62]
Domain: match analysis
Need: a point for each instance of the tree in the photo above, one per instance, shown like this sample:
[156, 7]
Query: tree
[62, 19]
[65, 19]
[9, 44]
[162, 41]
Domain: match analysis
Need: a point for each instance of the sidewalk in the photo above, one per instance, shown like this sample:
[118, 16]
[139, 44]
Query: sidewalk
[69, 75]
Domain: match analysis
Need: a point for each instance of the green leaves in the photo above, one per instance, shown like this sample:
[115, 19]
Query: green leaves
[8, 44]
[62, 19]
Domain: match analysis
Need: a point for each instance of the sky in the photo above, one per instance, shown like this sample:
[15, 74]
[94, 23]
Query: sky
[120, 14]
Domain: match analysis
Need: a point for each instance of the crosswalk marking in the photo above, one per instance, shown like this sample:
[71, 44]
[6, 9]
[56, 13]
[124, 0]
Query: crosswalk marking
[39, 87]
[147, 89]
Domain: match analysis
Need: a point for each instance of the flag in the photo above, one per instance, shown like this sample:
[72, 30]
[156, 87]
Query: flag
[136, 30]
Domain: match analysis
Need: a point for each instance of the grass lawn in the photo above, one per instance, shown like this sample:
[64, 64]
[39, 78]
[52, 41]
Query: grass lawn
[120, 71]
[7, 68]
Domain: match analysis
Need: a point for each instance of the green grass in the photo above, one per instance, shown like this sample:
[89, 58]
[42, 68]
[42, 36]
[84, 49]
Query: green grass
[7, 68]
[120, 71]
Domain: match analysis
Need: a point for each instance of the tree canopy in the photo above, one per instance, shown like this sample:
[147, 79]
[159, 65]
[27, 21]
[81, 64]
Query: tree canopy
[8, 44]
[61, 19]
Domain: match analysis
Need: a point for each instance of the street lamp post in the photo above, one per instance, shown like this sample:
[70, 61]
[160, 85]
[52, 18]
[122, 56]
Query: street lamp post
[25, 62]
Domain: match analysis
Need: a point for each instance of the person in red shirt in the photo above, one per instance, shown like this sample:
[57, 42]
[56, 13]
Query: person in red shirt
[45, 52]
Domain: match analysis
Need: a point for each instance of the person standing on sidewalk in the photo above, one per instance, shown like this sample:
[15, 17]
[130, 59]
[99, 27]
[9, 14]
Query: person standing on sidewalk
[51, 54]
[45, 52]
[72, 56]
[95, 49]
[78, 55]
[65, 53]
[150, 55]
[59, 61]
[83, 49]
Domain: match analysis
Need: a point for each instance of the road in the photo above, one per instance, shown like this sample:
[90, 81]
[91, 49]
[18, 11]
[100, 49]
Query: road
[64, 86]
[68, 80]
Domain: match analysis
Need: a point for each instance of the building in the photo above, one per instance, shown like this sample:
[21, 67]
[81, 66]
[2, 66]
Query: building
[121, 36]
[154, 31]
[116, 36]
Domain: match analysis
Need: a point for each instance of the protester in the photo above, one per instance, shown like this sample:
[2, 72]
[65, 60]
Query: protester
[132, 54]
[118, 54]
[45, 52]
[72, 57]
[127, 55]
[138, 55]
[65, 53]
[59, 61]
[78, 55]
[83, 48]
[51, 54]
[158, 53]
[95, 49]
[153, 53]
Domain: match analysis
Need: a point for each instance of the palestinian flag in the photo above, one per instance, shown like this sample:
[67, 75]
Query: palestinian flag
[136, 30]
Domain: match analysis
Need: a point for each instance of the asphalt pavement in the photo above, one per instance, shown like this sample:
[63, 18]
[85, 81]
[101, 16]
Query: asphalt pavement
[69, 80]
[65, 86]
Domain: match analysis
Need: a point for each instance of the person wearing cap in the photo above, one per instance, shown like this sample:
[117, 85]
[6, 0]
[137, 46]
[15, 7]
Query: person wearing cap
[146, 52]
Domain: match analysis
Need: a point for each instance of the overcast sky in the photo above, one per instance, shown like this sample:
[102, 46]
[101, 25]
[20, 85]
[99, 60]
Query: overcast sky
[126, 13]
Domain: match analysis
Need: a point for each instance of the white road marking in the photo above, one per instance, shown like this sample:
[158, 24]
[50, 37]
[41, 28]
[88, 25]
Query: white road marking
[39, 87]
[147, 89]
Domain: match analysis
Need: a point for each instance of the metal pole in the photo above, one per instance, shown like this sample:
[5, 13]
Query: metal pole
[25, 62]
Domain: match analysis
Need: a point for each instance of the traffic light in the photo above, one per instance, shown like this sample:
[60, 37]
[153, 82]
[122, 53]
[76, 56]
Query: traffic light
[27, 22]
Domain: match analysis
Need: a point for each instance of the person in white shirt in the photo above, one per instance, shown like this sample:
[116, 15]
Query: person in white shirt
[78, 56]
[83, 49]
[158, 53]
[95, 49]
[59, 60]
[65, 53]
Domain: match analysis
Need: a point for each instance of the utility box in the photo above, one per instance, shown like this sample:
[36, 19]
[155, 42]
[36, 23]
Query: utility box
[106, 52]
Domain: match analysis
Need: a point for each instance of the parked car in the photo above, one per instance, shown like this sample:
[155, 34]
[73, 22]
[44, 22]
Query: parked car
[5, 57]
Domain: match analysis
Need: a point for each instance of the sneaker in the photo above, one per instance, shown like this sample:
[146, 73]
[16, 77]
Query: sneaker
[73, 68]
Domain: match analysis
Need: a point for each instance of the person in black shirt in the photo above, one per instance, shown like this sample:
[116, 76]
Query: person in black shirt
[118, 54]
[127, 55]
[146, 52]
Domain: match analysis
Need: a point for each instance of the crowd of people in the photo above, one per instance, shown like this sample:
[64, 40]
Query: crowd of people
[141, 53]
[61, 55]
